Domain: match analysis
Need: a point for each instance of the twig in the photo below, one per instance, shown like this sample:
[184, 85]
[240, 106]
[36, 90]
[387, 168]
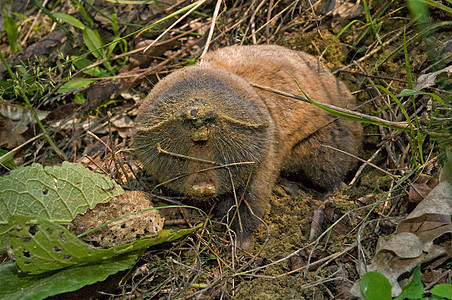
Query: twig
[361, 168]
[276, 16]
[360, 159]
[100, 140]
[212, 27]
[269, 16]
[32, 27]
[395, 125]
[252, 22]
[168, 9]
[20, 146]
[200, 2]
[374, 76]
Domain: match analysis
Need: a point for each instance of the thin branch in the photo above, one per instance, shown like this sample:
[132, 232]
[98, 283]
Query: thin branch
[395, 125]
[174, 24]
[212, 27]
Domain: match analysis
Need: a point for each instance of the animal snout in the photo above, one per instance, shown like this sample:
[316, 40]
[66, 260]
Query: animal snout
[199, 120]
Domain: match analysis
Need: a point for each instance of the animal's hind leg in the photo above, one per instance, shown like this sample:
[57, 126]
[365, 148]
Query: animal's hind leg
[320, 165]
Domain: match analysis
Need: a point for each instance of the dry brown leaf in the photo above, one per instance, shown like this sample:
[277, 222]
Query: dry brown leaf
[428, 80]
[392, 266]
[418, 191]
[127, 229]
[427, 227]
[438, 201]
[19, 113]
[10, 132]
[404, 245]
[90, 123]
[413, 242]
[347, 10]
[124, 125]
[14, 121]
[446, 171]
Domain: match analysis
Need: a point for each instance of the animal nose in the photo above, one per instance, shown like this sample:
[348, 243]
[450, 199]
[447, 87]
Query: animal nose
[198, 115]
[199, 119]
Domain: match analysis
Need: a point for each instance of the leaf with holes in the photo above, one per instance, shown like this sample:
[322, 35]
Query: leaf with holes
[55, 193]
[19, 286]
[41, 246]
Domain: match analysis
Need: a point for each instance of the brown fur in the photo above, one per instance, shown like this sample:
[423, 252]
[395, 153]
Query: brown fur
[211, 112]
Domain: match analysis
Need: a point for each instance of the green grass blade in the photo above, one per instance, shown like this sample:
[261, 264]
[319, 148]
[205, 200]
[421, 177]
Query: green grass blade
[12, 32]
[338, 35]
[410, 92]
[421, 33]
[437, 5]
[413, 101]
[397, 101]
[70, 20]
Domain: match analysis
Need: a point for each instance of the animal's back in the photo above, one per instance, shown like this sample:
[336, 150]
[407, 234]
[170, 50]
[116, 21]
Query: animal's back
[302, 127]
[284, 69]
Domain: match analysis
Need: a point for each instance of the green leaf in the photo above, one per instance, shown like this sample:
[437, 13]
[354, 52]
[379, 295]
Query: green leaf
[20, 286]
[414, 289]
[12, 32]
[55, 193]
[74, 85]
[114, 24]
[375, 286]
[79, 99]
[81, 9]
[438, 4]
[95, 45]
[7, 160]
[41, 246]
[112, 46]
[93, 42]
[442, 290]
[81, 63]
[70, 20]
[408, 92]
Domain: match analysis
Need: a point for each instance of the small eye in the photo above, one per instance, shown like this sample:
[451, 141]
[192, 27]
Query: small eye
[194, 112]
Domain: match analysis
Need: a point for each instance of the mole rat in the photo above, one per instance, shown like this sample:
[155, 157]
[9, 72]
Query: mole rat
[207, 134]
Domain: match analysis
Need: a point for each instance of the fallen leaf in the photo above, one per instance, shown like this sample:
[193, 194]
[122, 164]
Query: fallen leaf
[348, 10]
[418, 191]
[428, 80]
[427, 228]
[438, 201]
[404, 245]
[413, 242]
[14, 120]
[10, 132]
[129, 228]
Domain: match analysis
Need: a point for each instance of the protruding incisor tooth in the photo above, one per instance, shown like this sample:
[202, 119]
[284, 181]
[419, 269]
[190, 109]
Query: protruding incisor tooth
[197, 190]
[209, 190]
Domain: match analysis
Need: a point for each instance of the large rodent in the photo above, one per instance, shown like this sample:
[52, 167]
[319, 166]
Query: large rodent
[207, 134]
